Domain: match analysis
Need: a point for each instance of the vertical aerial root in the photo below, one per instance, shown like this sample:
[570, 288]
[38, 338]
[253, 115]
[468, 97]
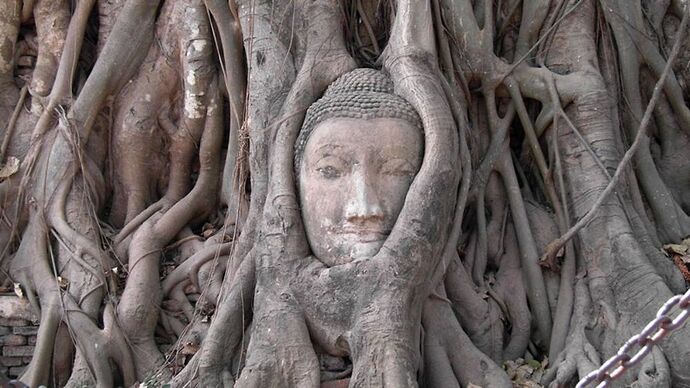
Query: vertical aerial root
[478, 316]
[536, 289]
[235, 76]
[511, 288]
[55, 75]
[444, 335]
[141, 297]
[383, 347]
[34, 250]
[274, 357]
[99, 347]
[79, 242]
[280, 351]
[225, 335]
[39, 368]
[52, 19]
[579, 356]
[63, 356]
[555, 246]
[9, 131]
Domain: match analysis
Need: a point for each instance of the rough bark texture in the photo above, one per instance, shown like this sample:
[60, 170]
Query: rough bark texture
[149, 212]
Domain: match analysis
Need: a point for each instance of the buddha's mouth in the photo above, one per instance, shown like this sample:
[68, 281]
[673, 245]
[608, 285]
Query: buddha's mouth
[366, 235]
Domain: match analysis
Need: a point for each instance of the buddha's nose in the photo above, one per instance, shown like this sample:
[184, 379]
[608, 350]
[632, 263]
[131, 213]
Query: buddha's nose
[364, 203]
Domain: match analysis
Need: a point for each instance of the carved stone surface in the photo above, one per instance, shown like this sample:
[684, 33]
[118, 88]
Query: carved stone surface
[353, 181]
[355, 157]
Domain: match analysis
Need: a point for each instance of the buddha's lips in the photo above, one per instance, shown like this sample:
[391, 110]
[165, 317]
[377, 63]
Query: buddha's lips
[364, 234]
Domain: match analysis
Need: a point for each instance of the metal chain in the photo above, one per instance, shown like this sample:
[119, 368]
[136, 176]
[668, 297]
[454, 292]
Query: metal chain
[654, 332]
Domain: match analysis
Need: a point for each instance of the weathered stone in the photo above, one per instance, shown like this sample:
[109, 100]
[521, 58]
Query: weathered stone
[5, 330]
[12, 340]
[10, 361]
[332, 224]
[32, 340]
[18, 351]
[13, 322]
[12, 307]
[15, 371]
[25, 330]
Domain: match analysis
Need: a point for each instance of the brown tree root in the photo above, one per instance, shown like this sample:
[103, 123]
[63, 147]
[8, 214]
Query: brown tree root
[579, 357]
[33, 258]
[450, 356]
[529, 88]
[100, 346]
[190, 267]
[479, 317]
[138, 308]
[226, 333]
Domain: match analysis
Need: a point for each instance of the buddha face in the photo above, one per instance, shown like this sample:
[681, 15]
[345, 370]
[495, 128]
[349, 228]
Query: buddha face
[354, 177]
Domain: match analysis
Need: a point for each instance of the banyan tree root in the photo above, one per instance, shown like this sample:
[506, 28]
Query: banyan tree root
[520, 103]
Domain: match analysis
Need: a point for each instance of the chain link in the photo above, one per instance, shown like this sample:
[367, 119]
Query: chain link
[654, 332]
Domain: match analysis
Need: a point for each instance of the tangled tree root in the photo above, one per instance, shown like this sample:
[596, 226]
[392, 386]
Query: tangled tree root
[135, 122]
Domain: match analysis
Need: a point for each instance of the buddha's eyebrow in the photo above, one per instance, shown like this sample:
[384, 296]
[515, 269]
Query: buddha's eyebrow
[399, 151]
[328, 147]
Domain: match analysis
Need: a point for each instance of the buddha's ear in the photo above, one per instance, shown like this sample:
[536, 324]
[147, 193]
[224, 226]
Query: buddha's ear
[325, 59]
[410, 58]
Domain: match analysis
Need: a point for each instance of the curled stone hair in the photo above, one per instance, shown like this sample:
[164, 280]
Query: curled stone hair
[360, 94]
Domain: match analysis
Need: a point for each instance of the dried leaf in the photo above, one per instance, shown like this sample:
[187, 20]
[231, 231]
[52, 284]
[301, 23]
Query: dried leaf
[18, 290]
[189, 349]
[525, 373]
[11, 167]
[62, 282]
[676, 248]
[208, 230]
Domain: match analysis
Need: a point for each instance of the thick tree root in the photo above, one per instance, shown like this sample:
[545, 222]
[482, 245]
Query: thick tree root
[528, 87]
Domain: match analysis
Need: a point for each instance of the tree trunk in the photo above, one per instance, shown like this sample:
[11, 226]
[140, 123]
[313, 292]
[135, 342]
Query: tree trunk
[151, 216]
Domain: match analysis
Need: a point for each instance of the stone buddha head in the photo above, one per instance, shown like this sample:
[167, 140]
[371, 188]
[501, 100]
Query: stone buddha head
[356, 155]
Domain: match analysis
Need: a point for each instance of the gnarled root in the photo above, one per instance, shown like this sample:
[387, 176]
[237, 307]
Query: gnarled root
[99, 347]
[579, 356]
[280, 352]
[32, 257]
[226, 332]
[142, 295]
[654, 371]
[449, 355]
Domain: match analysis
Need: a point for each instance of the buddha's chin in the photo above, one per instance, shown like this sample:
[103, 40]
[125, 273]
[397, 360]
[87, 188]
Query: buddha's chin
[359, 250]
[365, 250]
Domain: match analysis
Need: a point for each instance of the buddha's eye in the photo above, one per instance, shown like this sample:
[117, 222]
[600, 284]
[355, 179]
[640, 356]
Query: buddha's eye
[398, 167]
[331, 166]
[329, 172]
